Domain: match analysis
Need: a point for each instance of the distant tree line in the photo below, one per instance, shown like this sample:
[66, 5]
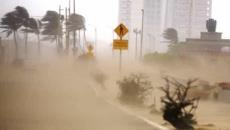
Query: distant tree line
[50, 26]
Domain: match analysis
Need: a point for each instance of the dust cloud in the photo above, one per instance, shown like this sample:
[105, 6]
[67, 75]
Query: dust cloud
[51, 92]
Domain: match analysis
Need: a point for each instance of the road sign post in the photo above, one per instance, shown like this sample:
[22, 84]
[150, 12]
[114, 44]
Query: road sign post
[120, 44]
[120, 62]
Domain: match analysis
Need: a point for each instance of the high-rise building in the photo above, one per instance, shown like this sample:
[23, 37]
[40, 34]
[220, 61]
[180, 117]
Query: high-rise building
[186, 16]
[125, 12]
[130, 15]
[153, 19]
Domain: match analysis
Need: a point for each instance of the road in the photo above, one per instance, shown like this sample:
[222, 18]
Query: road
[58, 100]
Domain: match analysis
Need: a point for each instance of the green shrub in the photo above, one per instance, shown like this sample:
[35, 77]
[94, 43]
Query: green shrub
[134, 89]
[169, 59]
[162, 58]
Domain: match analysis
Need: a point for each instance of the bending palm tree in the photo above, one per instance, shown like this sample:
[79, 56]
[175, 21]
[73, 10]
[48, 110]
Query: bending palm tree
[23, 14]
[11, 23]
[171, 35]
[52, 26]
[76, 22]
[34, 26]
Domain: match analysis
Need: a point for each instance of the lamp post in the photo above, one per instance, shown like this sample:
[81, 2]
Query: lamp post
[136, 31]
[142, 32]
[74, 33]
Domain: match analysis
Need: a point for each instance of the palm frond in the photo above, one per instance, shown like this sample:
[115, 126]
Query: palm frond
[9, 33]
[76, 22]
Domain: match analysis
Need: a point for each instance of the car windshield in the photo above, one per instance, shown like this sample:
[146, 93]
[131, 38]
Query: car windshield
[114, 65]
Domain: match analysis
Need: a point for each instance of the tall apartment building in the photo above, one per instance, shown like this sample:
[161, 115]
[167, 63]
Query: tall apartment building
[186, 16]
[125, 12]
[153, 19]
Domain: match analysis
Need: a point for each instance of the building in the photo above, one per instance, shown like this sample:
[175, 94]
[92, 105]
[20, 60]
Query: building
[186, 16]
[208, 43]
[153, 24]
[125, 12]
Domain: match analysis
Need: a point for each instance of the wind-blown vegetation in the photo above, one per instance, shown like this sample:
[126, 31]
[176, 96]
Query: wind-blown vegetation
[178, 108]
[50, 26]
[134, 89]
[11, 22]
[53, 27]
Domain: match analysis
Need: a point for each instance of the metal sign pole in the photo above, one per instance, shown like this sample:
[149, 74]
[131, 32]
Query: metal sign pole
[120, 63]
[120, 44]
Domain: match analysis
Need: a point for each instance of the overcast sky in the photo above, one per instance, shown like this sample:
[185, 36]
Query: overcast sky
[105, 12]
[95, 11]
[220, 12]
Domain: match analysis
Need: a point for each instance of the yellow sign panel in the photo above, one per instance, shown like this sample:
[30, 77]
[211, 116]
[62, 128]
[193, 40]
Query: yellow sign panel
[120, 44]
[121, 30]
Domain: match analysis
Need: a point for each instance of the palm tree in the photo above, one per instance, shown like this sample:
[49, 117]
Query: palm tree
[52, 26]
[34, 26]
[11, 23]
[23, 14]
[75, 22]
[171, 35]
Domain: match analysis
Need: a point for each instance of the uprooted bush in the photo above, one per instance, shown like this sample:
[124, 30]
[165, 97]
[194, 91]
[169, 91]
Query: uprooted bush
[134, 89]
[178, 108]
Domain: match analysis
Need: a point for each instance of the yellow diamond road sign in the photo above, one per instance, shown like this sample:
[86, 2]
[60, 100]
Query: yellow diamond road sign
[121, 30]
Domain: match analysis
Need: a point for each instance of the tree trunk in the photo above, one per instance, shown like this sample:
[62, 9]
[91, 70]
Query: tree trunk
[74, 43]
[16, 46]
[39, 45]
[26, 44]
[74, 39]
[57, 44]
[67, 42]
[79, 38]
[84, 42]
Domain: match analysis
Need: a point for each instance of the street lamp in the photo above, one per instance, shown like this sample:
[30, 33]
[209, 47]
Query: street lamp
[136, 31]
[142, 32]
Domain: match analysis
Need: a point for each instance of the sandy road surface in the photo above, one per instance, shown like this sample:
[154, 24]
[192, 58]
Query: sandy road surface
[57, 99]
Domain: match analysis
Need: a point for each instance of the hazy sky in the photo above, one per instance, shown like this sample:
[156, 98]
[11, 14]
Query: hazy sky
[220, 12]
[95, 11]
[105, 12]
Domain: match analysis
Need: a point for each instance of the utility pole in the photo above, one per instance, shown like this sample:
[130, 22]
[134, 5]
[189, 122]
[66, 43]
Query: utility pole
[142, 32]
[67, 31]
[60, 29]
[120, 62]
[74, 32]
[69, 7]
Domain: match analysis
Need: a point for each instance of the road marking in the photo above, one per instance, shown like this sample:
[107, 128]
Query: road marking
[156, 125]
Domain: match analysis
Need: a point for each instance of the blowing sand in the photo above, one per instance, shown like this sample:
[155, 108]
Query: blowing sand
[211, 114]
